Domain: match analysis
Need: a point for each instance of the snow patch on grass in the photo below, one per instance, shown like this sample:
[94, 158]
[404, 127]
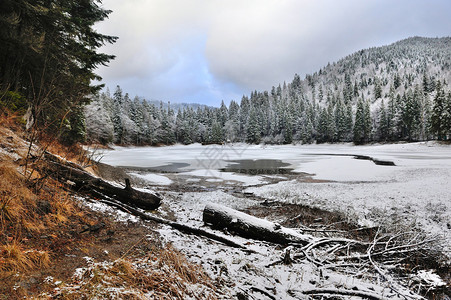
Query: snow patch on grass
[118, 215]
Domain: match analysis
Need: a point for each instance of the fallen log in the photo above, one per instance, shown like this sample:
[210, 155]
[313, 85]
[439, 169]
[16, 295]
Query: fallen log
[82, 181]
[220, 217]
[338, 293]
[176, 225]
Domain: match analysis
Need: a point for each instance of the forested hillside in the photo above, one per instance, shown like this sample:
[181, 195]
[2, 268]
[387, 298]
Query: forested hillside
[391, 93]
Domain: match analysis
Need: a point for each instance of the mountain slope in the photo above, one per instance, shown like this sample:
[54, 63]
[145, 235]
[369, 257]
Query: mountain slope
[404, 64]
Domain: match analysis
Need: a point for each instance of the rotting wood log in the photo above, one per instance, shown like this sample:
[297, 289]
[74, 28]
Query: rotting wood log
[220, 217]
[82, 181]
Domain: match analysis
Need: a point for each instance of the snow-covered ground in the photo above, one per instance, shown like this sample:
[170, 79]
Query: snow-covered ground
[414, 192]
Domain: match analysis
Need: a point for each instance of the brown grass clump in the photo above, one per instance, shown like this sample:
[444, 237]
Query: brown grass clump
[31, 208]
[17, 201]
[13, 259]
[74, 153]
[10, 119]
[163, 274]
[176, 261]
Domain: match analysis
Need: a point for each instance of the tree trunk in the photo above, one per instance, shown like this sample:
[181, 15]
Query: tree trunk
[83, 181]
[247, 226]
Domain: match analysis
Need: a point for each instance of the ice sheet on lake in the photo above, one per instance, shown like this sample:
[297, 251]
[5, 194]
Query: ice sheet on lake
[346, 168]
[153, 178]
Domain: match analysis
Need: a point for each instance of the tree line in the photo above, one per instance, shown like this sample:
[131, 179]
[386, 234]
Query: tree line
[397, 92]
[280, 117]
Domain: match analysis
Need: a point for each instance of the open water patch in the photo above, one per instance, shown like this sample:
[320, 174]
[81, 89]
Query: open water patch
[259, 167]
[376, 161]
[175, 167]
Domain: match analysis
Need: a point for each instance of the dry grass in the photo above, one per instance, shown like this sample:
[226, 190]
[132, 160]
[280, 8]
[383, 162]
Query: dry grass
[176, 261]
[9, 119]
[74, 153]
[30, 207]
[25, 214]
[163, 274]
[15, 259]
[17, 201]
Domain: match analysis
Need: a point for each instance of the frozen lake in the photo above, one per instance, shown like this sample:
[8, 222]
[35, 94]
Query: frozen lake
[414, 189]
[328, 162]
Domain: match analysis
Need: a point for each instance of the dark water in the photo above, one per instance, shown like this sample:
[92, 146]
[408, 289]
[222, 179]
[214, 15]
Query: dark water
[168, 168]
[361, 157]
[258, 167]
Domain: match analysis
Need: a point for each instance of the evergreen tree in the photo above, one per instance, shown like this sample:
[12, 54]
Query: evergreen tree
[253, 129]
[167, 125]
[447, 117]
[425, 83]
[48, 54]
[438, 113]
[223, 114]
[116, 116]
[340, 122]
[348, 90]
[411, 114]
[292, 113]
[232, 126]
[326, 125]
[396, 81]
[367, 121]
[217, 135]
[383, 124]
[349, 123]
[244, 115]
[99, 129]
[426, 118]
[362, 125]
[377, 89]
[288, 129]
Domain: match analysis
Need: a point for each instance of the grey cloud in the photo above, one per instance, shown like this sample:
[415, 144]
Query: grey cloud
[251, 44]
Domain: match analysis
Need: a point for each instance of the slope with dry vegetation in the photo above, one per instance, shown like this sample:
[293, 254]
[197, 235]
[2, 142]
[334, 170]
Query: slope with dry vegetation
[53, 245]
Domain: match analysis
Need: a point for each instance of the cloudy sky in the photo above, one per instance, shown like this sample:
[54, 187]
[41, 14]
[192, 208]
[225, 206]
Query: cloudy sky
[205, 51]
